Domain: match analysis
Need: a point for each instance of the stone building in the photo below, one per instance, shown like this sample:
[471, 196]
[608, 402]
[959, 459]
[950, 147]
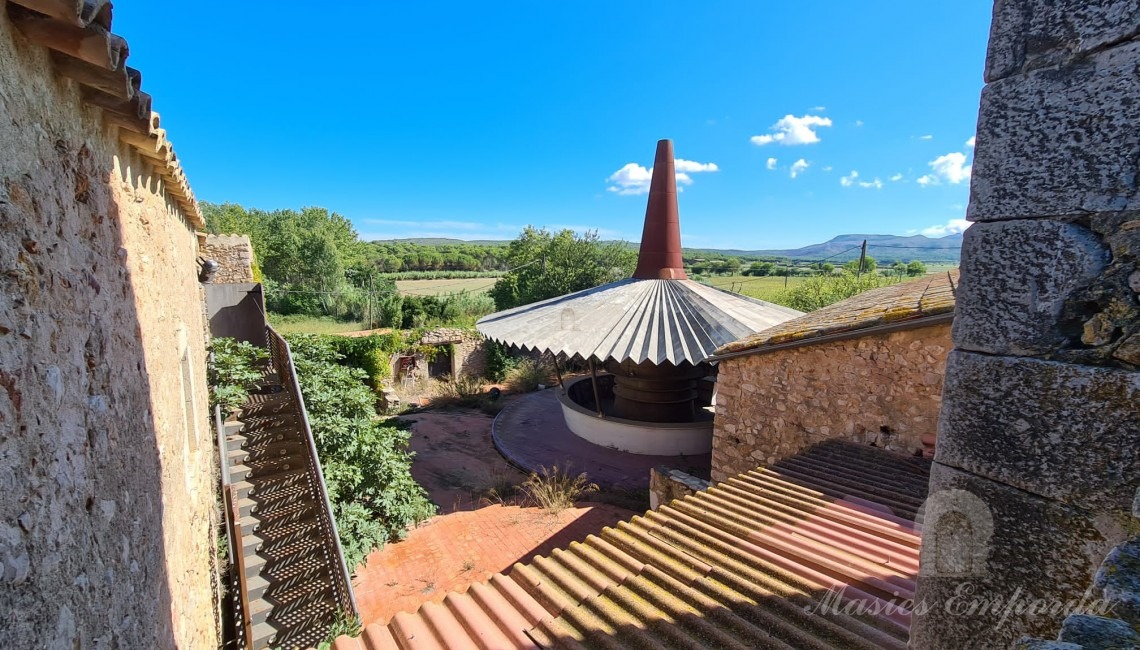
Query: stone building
[1039, 416]
[867, 369]
[106, 455]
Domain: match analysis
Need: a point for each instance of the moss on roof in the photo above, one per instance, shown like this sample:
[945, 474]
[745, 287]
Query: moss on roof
[916, 299]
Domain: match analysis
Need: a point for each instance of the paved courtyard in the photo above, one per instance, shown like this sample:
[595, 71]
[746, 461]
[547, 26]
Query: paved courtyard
[473, 537]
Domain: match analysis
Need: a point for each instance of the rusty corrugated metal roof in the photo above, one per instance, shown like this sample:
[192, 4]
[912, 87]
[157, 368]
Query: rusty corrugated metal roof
[745, 564]
[640, 320]
[931, 295]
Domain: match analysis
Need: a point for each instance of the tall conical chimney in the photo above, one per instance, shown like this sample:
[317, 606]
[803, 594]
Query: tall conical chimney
[660, 255]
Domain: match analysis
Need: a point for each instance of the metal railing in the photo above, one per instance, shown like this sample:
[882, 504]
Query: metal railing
[282, 359]
[237, 580]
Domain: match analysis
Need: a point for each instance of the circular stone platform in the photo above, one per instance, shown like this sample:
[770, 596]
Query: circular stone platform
[531, 432]
[631, 436]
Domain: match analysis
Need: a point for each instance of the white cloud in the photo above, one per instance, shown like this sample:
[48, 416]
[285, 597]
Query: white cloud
[828, 168]
[634, 179]
[771, 163]
[951, 168]
[799, 166]
[683, 165]
[792, 130]
[818, 109]
[926, 137]
[852, 179]
[858, 122]
[952, 227]
[970, 142]
[896, 178]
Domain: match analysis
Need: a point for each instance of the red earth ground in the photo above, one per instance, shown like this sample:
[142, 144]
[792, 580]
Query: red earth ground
[473, 537]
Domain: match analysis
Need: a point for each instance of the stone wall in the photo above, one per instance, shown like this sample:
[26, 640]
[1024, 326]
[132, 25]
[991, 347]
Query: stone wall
[1040, 421]
[880, 389]
[235, 255]
[468, 350]
[106, 485]
[666, 484]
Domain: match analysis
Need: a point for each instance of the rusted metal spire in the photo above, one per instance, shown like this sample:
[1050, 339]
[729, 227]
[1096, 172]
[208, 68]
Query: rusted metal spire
[660, 256]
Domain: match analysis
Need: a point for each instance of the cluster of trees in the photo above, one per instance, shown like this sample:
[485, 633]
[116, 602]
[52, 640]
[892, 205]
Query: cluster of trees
[311, 261]
[546, 264]
[395, 257]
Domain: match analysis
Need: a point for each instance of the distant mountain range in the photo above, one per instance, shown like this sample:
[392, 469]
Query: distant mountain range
[837, 249]
[882, 247]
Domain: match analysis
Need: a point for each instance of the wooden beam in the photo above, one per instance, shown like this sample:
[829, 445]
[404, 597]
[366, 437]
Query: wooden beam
[92, 44]
[74, 12]
[69, 11]
[135, 109]
[124, 122]
[122, 83]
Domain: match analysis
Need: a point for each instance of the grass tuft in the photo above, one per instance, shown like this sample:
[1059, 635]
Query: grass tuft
[556, 490]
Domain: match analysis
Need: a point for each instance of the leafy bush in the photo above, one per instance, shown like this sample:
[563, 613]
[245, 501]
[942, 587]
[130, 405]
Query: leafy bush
[555, 490]
[823, 290]
[233, 370]
[366, 462]
[499, 361]
[527, 375]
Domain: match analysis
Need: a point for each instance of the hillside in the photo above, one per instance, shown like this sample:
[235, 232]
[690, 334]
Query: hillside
[883, 247]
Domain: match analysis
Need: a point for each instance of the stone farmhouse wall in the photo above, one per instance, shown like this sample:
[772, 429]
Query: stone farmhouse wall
[235, 255]
[1039, 435]
[106, 468]
[880, 389]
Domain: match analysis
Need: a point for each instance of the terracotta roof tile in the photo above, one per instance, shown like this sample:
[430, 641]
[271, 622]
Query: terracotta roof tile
[737, 566]
[927, 296]
[78, 33]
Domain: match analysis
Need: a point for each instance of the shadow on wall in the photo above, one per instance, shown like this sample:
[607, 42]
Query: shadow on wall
[81, 494]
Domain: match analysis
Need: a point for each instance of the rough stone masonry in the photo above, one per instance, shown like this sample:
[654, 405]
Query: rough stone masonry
[1039, 418]
[106, 454]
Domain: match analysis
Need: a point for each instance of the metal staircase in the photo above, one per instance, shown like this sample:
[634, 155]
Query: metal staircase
[289, 581]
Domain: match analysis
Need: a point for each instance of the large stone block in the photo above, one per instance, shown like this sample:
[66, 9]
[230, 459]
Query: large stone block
[1040, 551]
[1060, 141]
[1017, 278]
[1061, 431]
[1029, 34]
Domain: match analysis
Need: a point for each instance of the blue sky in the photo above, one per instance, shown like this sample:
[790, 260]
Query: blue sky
[472, 120]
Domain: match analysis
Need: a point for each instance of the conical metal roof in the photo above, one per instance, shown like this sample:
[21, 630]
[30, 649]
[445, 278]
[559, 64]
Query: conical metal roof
[658, 315]
[640, 320]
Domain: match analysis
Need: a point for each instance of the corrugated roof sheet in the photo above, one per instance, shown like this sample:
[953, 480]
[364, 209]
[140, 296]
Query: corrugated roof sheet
[927, 296]
[78, 33]
[641, 320]
[745, 564]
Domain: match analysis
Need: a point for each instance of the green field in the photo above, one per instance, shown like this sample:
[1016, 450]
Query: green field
[443, 287]
[762, 288]
[299, 324]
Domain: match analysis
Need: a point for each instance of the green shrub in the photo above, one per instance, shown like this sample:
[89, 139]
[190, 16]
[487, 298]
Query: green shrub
[528, 375]
[823, 290]
[233, 371]
[500, 361]
[366, 462]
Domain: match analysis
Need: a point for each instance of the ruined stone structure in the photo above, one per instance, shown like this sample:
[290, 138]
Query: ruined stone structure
[1040, 420]
[106, 483]
[867, 369]
[462, 352]
[234, 255]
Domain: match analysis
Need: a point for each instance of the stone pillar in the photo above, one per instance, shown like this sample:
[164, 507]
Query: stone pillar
[1037, 456]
